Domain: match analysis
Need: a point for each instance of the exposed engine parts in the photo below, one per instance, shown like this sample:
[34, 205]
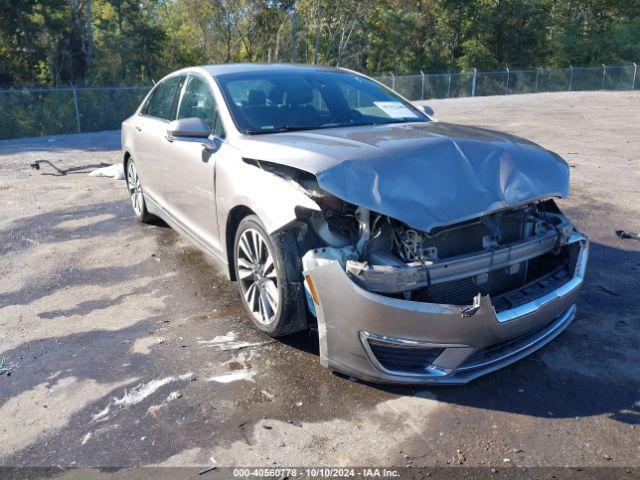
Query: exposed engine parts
[493, 255]
[515, 250]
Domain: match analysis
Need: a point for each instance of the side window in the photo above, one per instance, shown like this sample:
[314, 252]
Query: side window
[197, 101]
[160, 102]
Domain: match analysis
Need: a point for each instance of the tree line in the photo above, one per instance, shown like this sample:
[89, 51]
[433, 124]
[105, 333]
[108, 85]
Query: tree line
[116, 42]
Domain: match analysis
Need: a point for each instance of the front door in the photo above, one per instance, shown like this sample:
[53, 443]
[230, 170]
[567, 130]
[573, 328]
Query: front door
[190, 187]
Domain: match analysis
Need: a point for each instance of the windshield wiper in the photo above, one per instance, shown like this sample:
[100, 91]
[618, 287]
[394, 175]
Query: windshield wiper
[292, 128]
[283, 128]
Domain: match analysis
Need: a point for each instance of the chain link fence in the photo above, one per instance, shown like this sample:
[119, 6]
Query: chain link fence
[27, 112]
[508, 82]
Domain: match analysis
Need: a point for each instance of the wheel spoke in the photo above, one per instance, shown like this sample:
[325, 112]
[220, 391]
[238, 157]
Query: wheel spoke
[267, 311]
[269, 269]
[249, 295]
[261, 309]
[262, 249]
[271, 293]
[256, 298]
[244, 268]
[244, 246]
[254, 245]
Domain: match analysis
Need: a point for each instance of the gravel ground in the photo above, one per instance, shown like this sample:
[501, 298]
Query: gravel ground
[127, 346]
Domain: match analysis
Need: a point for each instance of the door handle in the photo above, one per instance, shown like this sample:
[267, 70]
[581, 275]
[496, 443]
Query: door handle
[169, 138]
[138, 128]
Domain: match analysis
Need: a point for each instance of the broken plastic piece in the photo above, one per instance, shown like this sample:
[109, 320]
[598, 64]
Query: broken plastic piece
[471, 310]
[626, 235]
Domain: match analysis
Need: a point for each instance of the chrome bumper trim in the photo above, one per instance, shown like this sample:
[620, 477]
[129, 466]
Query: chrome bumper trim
[562, 291]
[548, 333]
[467, 372]
[406, 343]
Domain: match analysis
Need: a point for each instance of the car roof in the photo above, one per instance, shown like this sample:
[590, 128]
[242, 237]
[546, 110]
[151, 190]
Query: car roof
[227, 68]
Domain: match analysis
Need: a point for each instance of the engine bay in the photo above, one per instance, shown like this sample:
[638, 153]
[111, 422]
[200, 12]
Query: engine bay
[495, 254]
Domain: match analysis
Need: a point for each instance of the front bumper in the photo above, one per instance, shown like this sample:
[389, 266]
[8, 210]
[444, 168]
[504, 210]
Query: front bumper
[387, 340]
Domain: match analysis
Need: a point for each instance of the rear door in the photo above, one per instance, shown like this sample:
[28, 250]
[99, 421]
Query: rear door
[191, 189]
[151, 129]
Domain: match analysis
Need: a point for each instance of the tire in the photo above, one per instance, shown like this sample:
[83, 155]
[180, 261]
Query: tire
[263, 282]
[134, 185]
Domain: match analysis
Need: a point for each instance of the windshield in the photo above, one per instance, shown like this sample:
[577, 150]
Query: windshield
[285, 100]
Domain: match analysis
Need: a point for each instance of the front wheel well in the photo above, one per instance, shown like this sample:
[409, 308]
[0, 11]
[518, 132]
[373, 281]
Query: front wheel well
[125, 159]
[234, 218]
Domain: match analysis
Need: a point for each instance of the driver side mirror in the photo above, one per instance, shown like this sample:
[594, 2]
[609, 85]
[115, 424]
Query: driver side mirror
[426, 109]
[188, 129]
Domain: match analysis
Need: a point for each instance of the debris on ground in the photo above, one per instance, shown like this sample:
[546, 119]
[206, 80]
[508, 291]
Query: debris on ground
[607, 290]
[233, 377]
[206, 470]
[154, 411]
[115, 171]
[141, 391]
[228, 342]
[625, 235]
[60, 172]
[5, 368]
[86, 438]
[174, 396]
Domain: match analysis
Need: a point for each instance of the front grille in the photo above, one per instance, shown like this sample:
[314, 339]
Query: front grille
[462, 291]
[536, 289]
[508, 287]
[404, 359]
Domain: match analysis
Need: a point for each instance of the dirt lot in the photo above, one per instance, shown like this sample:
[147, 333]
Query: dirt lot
[113, 330]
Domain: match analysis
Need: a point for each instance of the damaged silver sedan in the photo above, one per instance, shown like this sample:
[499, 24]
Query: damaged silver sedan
[424, 252]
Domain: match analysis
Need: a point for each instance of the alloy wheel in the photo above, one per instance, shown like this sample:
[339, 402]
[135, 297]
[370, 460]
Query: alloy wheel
[135, 189]
[257, 276]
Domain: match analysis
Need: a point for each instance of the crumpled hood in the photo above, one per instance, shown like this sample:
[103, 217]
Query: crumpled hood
[424, 174]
